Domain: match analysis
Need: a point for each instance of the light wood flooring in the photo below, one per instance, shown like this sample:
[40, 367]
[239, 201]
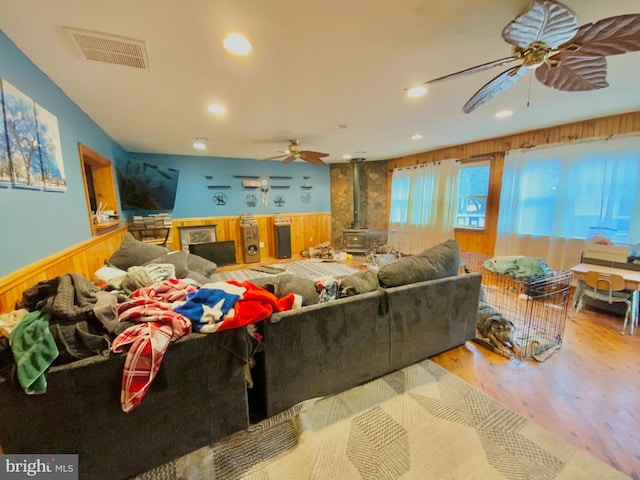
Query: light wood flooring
[587, 393]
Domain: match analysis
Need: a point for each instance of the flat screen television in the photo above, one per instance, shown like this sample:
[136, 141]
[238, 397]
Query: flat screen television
[147, 186]
[221, 253]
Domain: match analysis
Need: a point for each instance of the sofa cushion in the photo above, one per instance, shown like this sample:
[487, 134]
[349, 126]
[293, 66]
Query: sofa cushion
[357, 283]
[286, 283]
[439, 261]
[177, 259]
[201, 265]
[134, 252]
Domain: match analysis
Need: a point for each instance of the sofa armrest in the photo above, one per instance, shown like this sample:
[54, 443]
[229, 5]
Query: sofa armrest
[427, 318]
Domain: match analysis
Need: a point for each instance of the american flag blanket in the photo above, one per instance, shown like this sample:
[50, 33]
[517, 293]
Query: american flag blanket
[148, 340]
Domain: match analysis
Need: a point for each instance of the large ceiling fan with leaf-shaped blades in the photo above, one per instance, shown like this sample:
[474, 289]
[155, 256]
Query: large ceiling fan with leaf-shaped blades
[295, 152]
[566, 57]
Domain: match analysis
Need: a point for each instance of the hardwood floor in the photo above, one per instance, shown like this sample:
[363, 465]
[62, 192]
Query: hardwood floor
[586, 393]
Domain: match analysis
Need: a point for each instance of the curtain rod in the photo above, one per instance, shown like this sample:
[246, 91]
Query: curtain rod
[480, 157]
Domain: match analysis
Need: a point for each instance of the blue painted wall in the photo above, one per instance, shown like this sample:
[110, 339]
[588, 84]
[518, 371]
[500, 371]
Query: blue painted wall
[194, 199]
[36, 224]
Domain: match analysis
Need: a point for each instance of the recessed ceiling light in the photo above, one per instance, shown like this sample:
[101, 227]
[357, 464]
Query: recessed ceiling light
[504, 113]
[340, 126]
[346, 156]
[200, 143]
[417, 136]
[236, 43]
[217, 108]
[417, 91]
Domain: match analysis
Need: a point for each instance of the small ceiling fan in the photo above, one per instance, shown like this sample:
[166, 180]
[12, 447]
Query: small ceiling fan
[295, 152]
[547, 39]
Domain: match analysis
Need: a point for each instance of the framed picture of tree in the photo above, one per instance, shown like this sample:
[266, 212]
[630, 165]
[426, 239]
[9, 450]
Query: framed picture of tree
[22, 138]
[33, 157]
[50, 151]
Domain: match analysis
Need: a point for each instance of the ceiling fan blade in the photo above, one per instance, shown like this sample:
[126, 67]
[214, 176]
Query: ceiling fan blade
[273, 158]
[309, 157]
[468, 71]
[546, 21]
[289, 159]
[496, 86]
[609, 36]
[573, 73]
[316, 154]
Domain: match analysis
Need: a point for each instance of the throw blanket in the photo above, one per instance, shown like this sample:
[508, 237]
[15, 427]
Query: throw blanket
[519, 267]
[34, 349]
[222, 306]
[68, 297]
[257, 304]
[159, 326]
[81, 317]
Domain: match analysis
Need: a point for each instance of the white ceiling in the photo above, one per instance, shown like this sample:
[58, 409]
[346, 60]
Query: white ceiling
[315, 64]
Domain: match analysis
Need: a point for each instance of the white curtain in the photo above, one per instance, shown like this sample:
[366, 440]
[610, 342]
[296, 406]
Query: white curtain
[422, 206]
[553, 199]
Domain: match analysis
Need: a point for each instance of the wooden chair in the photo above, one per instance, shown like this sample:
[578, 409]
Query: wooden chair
[607, 288]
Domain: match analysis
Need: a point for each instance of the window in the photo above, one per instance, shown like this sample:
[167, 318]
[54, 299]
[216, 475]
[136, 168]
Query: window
[570, 190]
[473, 188]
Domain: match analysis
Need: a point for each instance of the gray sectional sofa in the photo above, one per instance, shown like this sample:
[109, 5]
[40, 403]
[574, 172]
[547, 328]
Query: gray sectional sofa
[420, 308]
[327, 348]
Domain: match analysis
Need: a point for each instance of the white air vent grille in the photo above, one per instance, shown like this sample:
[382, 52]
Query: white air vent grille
[106, 48]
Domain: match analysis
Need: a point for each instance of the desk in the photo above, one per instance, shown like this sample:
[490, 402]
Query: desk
[631, 282]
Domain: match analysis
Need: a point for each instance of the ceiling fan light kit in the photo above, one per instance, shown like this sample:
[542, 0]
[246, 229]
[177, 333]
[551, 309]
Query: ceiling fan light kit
[547, 39]
[295, 152]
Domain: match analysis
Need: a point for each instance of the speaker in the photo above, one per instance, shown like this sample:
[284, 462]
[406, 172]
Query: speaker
[282, 236]
[250, 243]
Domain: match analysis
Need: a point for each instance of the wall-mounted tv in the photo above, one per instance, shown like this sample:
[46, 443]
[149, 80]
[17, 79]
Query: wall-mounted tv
[221, 253]
[147, 186]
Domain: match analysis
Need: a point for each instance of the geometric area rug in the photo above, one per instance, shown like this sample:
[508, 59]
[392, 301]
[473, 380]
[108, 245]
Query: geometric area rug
[420, 422]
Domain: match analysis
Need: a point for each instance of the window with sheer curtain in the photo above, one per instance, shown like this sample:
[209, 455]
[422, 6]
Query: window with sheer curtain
[422, 205]
[552, 198]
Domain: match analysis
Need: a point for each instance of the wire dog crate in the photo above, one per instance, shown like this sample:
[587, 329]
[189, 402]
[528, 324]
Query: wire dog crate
[537, 308]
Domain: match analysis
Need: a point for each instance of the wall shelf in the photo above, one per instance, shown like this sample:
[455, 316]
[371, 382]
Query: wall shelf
[280, 177]
[276, 187]
[218, 187]
[246, 176]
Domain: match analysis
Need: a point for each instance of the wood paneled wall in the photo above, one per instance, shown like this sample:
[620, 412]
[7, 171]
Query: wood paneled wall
[484, 240]
[84, 258]
[307, 230]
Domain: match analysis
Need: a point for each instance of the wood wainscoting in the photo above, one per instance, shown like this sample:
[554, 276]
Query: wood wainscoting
[307, 230]
[84, 258]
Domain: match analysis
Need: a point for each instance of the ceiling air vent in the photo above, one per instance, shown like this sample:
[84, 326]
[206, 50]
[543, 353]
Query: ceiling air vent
[106, 48]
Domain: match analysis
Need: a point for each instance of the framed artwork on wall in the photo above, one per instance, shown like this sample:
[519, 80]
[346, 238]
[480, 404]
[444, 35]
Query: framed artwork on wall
[22, 138]
[30, 147]
[5, 163]
[50, 151]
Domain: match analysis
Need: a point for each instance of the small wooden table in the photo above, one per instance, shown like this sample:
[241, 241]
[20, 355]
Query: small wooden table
[631, 282]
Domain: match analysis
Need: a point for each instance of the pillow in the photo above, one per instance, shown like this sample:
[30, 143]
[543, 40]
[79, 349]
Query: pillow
[133, 252]
[439, 261]
[286, 283]
[197, 277]
[201, 265]
[177, 259]
[359, 282]
[106, 274]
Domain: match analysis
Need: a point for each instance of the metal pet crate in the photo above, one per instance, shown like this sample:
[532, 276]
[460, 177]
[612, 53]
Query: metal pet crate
[537, 307]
